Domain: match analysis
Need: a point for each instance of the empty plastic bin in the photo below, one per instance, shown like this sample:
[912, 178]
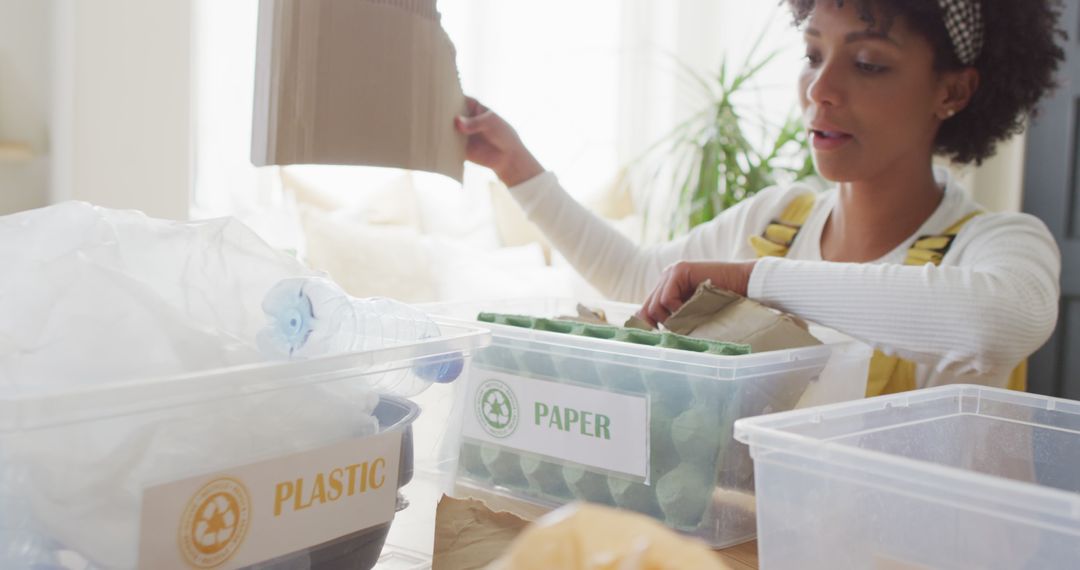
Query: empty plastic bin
[945, 478]
[550, 417]
[279, 465]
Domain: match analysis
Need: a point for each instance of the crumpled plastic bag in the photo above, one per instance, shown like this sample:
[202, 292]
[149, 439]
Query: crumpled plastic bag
[122, 296]
[95, 297]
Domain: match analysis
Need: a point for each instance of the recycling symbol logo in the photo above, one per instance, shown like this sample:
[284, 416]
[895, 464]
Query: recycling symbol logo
[497, 409]
[215, 523]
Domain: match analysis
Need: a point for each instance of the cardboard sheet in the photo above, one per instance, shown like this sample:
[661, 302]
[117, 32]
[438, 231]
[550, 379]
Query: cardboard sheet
[356, 82]
[718, 314]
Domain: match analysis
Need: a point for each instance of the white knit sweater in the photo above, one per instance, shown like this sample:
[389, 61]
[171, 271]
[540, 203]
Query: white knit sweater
[991, 303]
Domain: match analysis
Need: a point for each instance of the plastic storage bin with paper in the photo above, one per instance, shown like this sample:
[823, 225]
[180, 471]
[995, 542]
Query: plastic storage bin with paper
[950, 477]
[140, 426]
[551, 416]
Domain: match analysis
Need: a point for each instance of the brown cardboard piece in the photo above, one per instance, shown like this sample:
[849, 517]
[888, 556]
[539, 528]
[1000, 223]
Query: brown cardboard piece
[586, 315]
[469, 535]
[717, 314]
[583, 536]
[475, 529]
[359, 82]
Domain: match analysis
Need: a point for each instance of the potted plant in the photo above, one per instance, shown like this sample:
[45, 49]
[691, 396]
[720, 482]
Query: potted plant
[710, 159]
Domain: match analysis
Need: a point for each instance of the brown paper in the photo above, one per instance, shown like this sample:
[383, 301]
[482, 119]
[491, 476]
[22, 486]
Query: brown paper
[584, 536]
[717, 314]
[360, 82]
[635, 322]
[469, 535]
[586, 315]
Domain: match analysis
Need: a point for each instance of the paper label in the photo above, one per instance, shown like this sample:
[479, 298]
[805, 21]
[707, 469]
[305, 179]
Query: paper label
[263, 510]
[595, 428]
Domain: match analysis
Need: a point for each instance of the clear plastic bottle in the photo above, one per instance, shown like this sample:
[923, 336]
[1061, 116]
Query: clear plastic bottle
[313, 316]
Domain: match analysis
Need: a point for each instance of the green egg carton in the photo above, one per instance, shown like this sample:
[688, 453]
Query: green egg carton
[663, 456]
[497, 357]
[587, 485]
[505, 357]
[635, 496]
[471, 464]
[668, 388]
[622, 334]
[533, 364]
[600, 331]
[545, 478]
[582, 371]
[621, 378]
[683, 495]
[638, 336]
[696, 435]
[557, 326]
[615, 377]
[504, 466]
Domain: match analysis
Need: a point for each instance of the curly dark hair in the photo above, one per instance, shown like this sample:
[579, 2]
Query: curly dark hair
[1017, 65]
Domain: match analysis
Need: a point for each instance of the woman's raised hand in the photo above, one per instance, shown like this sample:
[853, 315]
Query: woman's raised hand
[495, 144]
[679, 282]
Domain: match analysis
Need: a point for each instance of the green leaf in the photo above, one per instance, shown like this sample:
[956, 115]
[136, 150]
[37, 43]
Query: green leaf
[713, 164]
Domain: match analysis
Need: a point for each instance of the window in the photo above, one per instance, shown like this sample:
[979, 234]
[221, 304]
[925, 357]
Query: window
[588, 86]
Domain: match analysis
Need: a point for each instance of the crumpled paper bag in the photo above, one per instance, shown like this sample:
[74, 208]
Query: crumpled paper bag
[469, 535]
[591, 537]
[719, 314]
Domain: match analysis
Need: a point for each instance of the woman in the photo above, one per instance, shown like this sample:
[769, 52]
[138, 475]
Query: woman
[895, 255]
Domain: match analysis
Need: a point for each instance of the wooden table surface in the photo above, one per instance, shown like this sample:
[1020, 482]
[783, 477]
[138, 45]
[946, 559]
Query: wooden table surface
[741, 556]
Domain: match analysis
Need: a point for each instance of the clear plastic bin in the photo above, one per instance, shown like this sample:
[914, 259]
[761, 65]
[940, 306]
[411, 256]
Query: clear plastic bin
[945, 478]
[679, 464]
[44, 437]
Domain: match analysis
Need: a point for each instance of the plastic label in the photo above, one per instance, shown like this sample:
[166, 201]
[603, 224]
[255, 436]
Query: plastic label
[263, 510]
[595, 428]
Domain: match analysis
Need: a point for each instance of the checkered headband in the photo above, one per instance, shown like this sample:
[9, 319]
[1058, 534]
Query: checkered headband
[963, 20]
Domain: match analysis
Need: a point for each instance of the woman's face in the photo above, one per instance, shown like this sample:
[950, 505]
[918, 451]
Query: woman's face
[870, 100]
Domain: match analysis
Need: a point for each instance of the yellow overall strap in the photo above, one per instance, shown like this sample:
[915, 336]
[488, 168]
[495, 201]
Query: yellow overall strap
[778, 236]
[932, 249]
[891, 374]
[888, 374]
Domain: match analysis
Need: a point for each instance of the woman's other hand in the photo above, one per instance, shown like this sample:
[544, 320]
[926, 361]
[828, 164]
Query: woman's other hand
[495, 144]
[679, 281]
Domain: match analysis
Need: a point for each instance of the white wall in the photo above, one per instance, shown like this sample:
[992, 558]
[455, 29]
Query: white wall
[224, 80]
[997, 184]
[24, 100]
[122, 107]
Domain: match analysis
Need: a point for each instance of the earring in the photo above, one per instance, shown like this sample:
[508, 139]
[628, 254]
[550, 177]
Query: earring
[949, 114]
